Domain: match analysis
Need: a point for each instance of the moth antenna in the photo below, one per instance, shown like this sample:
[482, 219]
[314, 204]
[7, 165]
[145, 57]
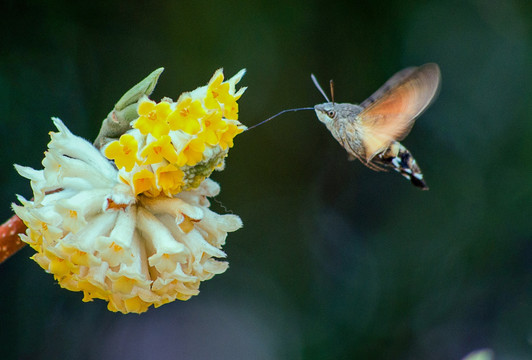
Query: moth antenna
[315, 81]
[274, 116]
[331, 84]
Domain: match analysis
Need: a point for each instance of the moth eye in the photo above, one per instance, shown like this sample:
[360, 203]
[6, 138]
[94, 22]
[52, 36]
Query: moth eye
[331, 113]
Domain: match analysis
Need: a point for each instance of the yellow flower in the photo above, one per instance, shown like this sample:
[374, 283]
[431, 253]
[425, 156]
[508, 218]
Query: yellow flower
[213, 126]
[143, 181]
[186, 115]
[219, 92]
[226, 139]
[152, 118]
[192, 153]
[231, 110]
[123, 152]
[142, 234]
[158, 150]
[170, 179]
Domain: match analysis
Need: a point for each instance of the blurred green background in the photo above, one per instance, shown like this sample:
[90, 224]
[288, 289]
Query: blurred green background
[334, 261]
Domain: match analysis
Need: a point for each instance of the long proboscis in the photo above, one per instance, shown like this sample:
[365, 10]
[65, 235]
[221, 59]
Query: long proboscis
[280, 113]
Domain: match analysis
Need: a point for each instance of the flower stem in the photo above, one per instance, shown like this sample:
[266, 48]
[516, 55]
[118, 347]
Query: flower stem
[10, 242]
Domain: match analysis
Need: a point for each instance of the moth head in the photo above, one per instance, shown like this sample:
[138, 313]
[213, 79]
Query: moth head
[327, 112]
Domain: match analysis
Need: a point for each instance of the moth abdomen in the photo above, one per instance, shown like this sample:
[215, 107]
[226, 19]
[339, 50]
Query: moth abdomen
[397, 157]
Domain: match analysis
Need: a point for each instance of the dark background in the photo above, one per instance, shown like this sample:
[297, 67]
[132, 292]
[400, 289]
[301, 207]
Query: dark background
[334, 261]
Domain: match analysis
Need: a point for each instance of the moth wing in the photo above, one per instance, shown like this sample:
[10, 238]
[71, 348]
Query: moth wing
[391, 111]
[395, 80]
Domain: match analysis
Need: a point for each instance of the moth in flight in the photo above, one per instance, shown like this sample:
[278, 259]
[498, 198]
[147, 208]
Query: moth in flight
[372, 130]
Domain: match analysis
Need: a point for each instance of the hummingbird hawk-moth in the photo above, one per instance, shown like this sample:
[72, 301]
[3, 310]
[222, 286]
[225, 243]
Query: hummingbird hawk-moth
[372, 130]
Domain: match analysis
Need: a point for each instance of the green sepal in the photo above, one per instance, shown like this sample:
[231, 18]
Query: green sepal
[125, 110]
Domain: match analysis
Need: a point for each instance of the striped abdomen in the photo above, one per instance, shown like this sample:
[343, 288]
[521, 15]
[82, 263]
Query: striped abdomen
[401, 160]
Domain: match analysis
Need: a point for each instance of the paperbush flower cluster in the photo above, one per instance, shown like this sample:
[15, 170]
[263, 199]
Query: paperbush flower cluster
[173, 146]
[137, 231]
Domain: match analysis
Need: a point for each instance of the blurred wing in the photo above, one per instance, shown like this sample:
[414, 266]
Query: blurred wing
[391, 111]
[395, 80]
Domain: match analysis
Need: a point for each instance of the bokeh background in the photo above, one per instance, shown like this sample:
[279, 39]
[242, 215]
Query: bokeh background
[334, 261]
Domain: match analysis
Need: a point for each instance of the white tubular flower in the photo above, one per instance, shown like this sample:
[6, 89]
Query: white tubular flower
[142, 234]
